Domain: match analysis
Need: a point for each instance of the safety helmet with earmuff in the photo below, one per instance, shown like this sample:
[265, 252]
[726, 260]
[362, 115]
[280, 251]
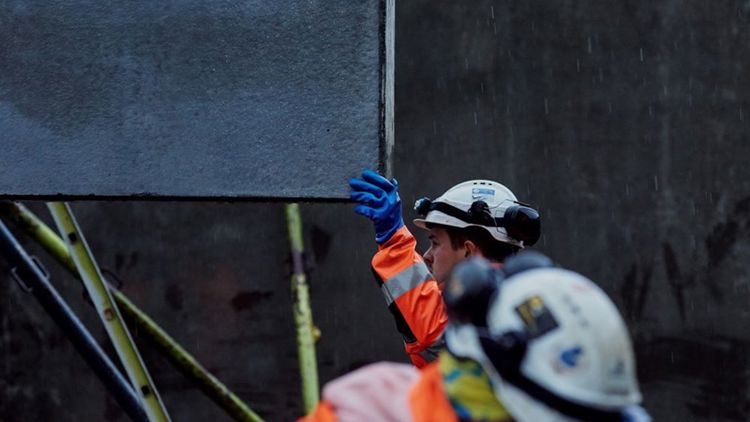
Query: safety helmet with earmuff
[551, 341]
[486, 204]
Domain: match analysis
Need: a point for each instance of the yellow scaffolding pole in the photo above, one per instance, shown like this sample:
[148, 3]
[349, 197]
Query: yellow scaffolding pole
[176, 354]
[302, 312]
[108, 312]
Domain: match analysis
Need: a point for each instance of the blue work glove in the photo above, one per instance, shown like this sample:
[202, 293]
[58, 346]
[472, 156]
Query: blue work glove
[377, 199]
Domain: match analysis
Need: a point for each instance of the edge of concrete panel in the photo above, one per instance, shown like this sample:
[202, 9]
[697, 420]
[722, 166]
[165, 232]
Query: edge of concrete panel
[388, 60]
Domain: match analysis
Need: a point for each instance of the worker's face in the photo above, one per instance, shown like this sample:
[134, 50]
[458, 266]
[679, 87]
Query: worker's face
[441, 257]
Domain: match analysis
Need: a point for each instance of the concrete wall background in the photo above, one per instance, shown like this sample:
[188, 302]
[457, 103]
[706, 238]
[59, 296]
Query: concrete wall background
[623, 122]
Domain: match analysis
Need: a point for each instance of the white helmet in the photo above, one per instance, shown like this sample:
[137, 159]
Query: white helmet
[554, 345]
[485, 204]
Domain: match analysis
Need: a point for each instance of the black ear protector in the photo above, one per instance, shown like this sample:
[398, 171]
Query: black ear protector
[473, 284]
[468, 294]
[520, 221]
[524, 261]
[422, 206]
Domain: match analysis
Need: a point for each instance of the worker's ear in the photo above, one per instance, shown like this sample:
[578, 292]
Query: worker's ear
[471, 249]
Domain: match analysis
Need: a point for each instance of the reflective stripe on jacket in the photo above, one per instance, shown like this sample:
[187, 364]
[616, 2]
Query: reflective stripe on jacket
[412, 296]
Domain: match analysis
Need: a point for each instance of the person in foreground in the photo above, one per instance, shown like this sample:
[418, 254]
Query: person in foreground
[476, 218]
[526, 342]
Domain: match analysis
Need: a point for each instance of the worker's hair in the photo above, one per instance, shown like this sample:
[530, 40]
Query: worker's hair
[491, 248]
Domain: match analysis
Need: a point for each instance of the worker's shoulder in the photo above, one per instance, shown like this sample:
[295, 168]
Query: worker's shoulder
[391, 374]
[381, 387]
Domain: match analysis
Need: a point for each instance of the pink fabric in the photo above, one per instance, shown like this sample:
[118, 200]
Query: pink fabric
[374, 393]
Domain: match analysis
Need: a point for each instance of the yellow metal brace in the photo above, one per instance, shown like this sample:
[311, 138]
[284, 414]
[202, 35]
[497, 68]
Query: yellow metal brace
[108, 312]
[302, 313]
[177, 355]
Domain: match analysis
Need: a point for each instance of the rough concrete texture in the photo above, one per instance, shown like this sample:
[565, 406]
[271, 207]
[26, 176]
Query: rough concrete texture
[623, 122]
[191, 98]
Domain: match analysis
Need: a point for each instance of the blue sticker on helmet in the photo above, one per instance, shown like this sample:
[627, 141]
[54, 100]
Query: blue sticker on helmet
[569, 357]
[483, 191]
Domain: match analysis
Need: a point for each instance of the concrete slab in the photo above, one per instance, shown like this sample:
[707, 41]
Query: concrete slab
[194, 98]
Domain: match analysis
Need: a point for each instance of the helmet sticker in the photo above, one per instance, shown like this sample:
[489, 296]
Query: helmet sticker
[570, 360]
[537, 318]
[481, 193]
[569, 357]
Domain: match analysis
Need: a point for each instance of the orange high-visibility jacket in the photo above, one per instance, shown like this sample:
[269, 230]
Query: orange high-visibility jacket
[385, 392]
[412, 296]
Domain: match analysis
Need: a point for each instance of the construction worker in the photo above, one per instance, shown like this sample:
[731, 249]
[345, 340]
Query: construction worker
[474, 218]
[528, 342]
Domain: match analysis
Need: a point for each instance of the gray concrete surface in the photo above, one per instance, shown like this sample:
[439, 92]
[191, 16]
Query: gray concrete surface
[191, 98]
[623, 122]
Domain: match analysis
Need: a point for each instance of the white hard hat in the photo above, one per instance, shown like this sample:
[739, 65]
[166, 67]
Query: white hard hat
[482, 203]
[554, 345]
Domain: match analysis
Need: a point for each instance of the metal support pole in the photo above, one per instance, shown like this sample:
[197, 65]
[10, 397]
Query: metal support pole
[108, 312]
[178, 356]
[302, 312]
[31, 277]
[189, 366]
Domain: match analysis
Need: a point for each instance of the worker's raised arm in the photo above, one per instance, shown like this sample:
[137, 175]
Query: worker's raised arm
[412, 296]
[411, 293]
